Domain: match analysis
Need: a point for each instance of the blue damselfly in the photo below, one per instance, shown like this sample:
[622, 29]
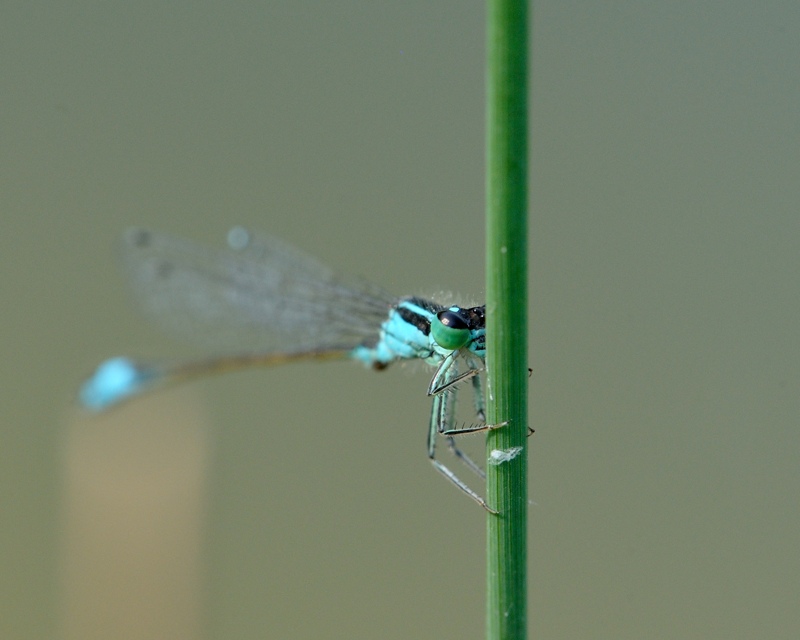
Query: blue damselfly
[263, 302]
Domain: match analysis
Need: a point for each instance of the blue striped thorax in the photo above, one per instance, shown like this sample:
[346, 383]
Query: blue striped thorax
[418, 328]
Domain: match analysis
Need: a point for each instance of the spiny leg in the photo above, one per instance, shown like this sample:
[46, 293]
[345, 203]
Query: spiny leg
[437, 387]
[438, 412]
[444, 382]
[477, 394]
[461, 431]
[447, 393]
[442, 411]
[479, 400]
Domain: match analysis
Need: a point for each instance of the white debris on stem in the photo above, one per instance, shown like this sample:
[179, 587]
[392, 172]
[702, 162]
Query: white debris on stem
[499, 456]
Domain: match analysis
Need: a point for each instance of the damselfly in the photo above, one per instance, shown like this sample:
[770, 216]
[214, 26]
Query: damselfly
[264, 302]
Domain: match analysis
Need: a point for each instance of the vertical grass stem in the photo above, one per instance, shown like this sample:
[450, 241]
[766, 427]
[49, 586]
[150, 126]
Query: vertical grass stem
[506, 304]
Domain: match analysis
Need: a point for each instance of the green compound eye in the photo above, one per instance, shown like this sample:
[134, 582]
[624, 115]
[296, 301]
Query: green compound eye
[450, 330]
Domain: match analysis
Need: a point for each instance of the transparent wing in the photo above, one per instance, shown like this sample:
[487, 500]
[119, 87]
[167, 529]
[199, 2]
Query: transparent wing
[258, 295]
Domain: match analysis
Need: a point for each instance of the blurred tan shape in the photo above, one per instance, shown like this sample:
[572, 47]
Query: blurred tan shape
[134, 509]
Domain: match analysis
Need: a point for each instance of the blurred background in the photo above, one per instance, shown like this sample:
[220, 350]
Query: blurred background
[298, 502]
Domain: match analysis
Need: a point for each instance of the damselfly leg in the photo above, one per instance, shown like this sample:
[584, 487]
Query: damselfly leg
[443, 388]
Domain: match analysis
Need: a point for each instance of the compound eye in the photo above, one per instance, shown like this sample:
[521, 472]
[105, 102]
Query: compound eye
[450, 330]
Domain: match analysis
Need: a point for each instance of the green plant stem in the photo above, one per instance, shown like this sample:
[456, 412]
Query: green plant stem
[506, 322]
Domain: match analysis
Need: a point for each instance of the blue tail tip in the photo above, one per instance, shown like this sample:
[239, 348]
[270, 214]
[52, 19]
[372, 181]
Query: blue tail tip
[113, 381]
